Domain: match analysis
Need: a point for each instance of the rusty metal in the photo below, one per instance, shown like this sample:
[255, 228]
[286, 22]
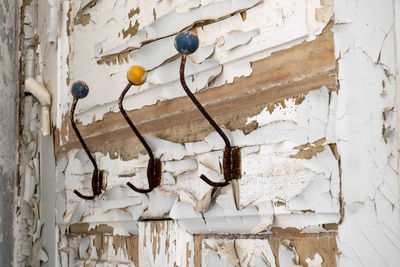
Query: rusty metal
[97, 176]
[154, 164]
[231, 160]
[97, 185]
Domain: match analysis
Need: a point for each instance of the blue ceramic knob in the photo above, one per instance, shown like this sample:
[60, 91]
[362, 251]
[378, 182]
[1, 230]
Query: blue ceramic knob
[186, 43]
[80, 89]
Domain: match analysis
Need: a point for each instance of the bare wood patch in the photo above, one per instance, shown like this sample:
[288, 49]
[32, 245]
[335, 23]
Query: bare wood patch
[129, 246]
[100, 242]
[114, 59]
[132, 30]
[133, 12]
[324, 245]
[198, 240]
[308, 151]
[83, 229]
[81, 18]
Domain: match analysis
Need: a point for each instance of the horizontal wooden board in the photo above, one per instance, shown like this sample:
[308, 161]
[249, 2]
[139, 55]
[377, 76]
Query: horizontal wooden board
[284, 74]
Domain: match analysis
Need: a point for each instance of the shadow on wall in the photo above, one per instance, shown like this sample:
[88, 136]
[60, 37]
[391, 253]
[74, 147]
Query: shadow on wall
[6, 217]
[8, 126]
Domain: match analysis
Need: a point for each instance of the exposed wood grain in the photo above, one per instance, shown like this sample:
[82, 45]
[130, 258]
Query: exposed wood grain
[104, 238]
[83, 228]
[284, 74]
[324, 245]
[198, 241]
[130, 246]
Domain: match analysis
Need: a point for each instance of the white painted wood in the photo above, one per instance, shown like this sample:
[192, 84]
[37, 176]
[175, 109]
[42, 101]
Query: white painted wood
[48, 198]
[366, 130]
[274, 25]
[365, 178]
[164, 243]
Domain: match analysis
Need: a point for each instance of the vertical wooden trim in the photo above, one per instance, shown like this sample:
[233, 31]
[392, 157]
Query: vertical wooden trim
[198, 241]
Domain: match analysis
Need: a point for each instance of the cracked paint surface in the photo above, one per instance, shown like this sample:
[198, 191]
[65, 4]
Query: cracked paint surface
[321, 158]
[309, 187]
[367, 141]
[272, 172]
[228, 43]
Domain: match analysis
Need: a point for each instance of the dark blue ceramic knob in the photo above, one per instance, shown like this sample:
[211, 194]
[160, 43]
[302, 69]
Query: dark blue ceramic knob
[186, 43]
[80, 89]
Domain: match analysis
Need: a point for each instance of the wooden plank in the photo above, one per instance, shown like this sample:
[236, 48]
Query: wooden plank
[163, 243]
[198, 248]
[284, 74]
[129, 245]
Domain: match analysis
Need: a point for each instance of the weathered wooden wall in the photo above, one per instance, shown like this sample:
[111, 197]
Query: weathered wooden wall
[161, 243]
[282, 111]
[304, 87]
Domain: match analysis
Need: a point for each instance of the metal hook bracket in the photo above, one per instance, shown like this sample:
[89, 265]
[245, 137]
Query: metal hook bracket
[231, 166]
[153, 176]
[97, 185]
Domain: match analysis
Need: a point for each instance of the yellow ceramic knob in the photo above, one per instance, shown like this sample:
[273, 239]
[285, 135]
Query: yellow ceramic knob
[137, 75]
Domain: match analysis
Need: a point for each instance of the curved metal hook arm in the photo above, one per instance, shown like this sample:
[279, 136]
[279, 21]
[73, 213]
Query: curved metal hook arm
[198, 105]
[78, 134]
[97, 185]
[135, 130]
[154, 165]
[143, 191]
[153, 176]
[83, 196]
[215, 184]
[97, 176]
[227, 161]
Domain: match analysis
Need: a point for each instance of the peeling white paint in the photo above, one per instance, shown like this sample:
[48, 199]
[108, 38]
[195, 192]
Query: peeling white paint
[369, 233]
[270, 173]
[309, 188]
[237, 252]
[316, 262]
[53, 21]
[32, 221]
[163, 243]
[227, 46]
[288, 256]
[236, 40]
[360, 119]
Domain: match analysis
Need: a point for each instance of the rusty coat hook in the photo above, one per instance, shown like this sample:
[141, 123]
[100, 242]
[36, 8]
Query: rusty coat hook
[187, 43]
[80, 90]
[137, 76]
